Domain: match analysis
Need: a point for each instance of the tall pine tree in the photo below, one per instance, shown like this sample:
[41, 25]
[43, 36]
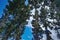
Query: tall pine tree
[45, 12]
[14, 19]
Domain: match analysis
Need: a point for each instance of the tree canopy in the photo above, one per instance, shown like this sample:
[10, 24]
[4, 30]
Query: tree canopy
[47, 16]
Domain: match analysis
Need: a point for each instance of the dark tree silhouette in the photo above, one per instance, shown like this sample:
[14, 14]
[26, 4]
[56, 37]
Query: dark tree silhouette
[14, 19]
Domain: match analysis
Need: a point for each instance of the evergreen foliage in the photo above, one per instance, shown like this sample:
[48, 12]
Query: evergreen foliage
[49, 9]
[19, 11]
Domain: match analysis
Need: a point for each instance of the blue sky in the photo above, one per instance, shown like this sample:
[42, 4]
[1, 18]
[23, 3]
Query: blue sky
[2, 6]
[26, 3]
[27, 33]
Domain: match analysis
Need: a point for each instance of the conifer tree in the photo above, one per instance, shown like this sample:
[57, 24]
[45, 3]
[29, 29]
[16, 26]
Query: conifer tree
[49, 9]
[14, 19]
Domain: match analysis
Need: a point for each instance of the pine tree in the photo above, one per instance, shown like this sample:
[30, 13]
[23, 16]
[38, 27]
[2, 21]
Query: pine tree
[14, 19]
[49, 10]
